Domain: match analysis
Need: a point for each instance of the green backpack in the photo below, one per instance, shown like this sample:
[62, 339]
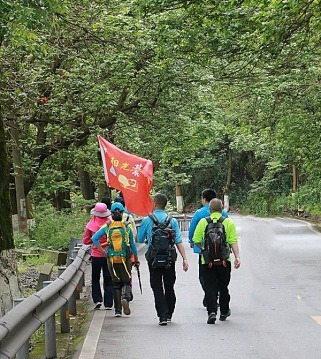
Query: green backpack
[118, 242]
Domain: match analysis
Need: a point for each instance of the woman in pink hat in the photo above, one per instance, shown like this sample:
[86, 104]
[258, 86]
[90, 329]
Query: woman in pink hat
[100, 216]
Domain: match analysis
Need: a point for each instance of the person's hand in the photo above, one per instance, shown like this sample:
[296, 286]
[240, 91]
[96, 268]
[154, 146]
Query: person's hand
[185, 265]
[102, 250]
[237, 263]
[136, 261]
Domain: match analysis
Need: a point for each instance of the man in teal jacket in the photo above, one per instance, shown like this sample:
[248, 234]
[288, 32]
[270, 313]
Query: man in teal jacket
[217, 277]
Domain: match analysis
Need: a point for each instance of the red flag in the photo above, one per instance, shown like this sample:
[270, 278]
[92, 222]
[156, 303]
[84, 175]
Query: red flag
[130, 174]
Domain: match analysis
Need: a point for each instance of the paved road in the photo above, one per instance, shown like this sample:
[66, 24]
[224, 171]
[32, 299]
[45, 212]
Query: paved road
[275, 302]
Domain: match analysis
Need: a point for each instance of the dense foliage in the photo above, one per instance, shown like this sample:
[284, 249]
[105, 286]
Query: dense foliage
[216, 93]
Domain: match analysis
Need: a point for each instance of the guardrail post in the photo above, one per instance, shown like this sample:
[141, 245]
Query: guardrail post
[82, 279]
[64, 311]
[23, 352]
[74, 255]
[50, 333]
[72, 305]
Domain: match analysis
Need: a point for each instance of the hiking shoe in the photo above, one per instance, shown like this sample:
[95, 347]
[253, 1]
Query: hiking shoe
[125, 305]
[224, 316]
[211, 318]
[98, 305]
[162, 321]
[118, 313]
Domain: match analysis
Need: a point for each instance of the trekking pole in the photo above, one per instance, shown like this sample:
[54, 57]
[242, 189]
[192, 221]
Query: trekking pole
[139, 281]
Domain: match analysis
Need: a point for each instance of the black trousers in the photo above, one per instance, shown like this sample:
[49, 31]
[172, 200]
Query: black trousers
[201, 271]
[99, 264]
[217, 279]
[162, 283]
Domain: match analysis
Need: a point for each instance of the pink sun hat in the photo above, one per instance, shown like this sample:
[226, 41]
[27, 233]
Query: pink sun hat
[100, 210]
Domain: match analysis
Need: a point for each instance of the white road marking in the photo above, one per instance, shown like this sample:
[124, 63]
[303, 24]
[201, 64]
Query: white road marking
[88, 350]
[317, 319]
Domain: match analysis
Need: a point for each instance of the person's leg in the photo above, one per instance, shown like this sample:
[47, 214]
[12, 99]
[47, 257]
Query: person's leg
[117, 299]
[201, 272]
[169, 282]
[95, 281]
[224, 276]
[108, 284]
[156, 283]
[124, 272]
[211, 291]
[201, 277]
[116, 289]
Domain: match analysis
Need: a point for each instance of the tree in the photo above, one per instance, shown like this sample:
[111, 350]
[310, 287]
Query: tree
[9, 284]
[16, 31]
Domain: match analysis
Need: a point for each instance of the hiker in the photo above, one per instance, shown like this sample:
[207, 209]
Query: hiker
[100, 216]
[107, 202]
[207, 195]
[217, 270]
[128, 218]
[121, 245]
[160, 227]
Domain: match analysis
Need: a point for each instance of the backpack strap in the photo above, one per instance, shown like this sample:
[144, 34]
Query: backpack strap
[156, 221]
[167, 220]
[153, 218]
[220, 220]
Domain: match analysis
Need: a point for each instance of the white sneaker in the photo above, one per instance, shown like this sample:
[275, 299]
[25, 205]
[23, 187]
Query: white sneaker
[98, 305]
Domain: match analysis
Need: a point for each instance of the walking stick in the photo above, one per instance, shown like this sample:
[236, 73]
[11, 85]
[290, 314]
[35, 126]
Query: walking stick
[139, 281]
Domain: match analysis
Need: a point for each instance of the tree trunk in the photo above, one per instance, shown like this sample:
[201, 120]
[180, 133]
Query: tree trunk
[228, 182]
[29, 207]
[9, 283]
[103, 190]
[18, 177]
[62, 198]
[294, 178]
[85, 184]
[179, 198]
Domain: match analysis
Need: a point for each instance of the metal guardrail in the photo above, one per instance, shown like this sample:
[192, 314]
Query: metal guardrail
[183, 220]
[17, 326]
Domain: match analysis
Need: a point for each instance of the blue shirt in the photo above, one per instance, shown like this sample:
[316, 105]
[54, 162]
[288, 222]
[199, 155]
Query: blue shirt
[198, 215]
[145, 229]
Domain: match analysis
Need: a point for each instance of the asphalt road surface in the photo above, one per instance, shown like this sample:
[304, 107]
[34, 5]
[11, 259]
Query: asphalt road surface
[275, 304]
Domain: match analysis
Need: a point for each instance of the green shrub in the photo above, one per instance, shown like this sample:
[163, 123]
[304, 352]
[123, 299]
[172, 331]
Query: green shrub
[53, 229]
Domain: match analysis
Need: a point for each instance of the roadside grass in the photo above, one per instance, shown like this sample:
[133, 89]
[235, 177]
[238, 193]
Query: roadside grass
[52, 230]
[66, 342]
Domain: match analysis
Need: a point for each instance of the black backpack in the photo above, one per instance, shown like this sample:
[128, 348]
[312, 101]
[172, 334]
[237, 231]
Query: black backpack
[216, 249]
[161, 252]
